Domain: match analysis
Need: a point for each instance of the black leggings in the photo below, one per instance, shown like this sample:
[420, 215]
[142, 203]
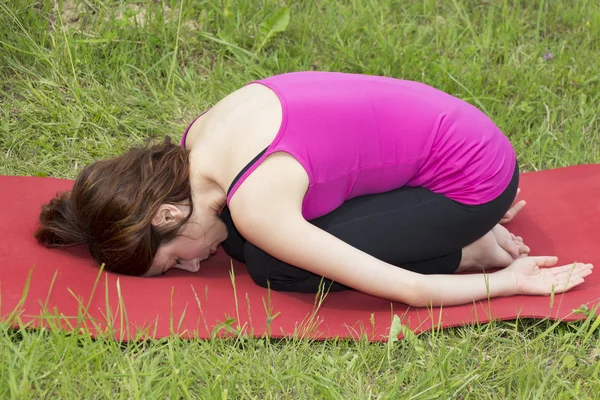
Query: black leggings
[411, 227]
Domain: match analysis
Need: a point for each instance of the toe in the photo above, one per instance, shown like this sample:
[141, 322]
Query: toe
[503, 258]
[523, 248]
[511, 248]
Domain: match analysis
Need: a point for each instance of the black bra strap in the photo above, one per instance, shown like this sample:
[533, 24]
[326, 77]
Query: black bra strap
[246, 168]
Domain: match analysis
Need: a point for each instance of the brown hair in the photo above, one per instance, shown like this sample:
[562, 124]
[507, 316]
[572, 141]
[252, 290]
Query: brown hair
[112, 205]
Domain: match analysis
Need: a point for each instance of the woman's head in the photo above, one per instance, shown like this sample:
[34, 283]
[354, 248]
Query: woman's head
[114, 202]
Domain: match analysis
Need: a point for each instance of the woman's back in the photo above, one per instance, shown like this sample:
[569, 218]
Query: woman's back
[359, 134]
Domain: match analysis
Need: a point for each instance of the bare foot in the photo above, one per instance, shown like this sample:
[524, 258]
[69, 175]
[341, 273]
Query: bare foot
[485, 253]
[512, 244]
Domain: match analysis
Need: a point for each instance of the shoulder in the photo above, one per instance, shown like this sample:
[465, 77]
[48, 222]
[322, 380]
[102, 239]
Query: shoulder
[274, 190]
[249, 109]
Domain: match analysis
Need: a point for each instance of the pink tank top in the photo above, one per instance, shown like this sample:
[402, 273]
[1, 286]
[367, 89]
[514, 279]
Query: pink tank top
[361, 134]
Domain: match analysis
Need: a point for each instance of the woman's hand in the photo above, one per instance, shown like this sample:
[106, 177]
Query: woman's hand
[514, 210]
[529, 278]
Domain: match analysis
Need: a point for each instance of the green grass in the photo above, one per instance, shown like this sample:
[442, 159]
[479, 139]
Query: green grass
[495, 361]
[101, 75]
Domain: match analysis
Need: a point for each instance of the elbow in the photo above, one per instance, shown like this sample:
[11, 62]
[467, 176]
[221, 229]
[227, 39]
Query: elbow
[418, 293]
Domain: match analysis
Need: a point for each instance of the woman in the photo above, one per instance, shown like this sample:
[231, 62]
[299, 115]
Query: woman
[377, 184]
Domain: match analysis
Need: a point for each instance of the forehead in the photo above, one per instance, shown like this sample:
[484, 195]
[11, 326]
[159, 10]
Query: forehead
[180, 247]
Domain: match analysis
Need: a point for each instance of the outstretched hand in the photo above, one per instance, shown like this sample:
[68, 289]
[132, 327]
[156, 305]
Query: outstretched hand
[514, 210]
[531, 279]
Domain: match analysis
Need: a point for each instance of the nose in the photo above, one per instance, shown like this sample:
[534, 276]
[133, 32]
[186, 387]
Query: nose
[189, 265]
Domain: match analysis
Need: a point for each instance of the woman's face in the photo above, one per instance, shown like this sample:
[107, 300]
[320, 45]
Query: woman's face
[199, 239]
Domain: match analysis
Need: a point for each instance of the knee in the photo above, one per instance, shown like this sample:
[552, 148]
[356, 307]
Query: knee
[268, 272]
[257, 264]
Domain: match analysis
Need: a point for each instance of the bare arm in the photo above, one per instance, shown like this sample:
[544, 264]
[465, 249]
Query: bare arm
[299, 243]
[269, 215]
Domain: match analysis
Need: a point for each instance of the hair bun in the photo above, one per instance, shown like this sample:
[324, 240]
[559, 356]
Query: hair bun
[59, 224]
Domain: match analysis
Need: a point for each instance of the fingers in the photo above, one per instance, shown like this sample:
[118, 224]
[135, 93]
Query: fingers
[571, 268]
[569, 276]
[545, 261]
[568, 285]
[580, 271]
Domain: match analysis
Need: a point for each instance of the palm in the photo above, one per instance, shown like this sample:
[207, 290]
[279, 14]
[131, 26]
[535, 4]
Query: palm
[531, 279]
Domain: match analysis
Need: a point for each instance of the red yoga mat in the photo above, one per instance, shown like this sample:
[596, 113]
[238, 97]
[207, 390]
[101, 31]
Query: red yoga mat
[64, 289]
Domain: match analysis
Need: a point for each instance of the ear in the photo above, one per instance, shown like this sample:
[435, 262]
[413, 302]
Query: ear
[167, 216]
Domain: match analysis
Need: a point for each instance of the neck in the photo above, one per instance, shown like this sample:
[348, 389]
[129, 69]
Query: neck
[208, 195]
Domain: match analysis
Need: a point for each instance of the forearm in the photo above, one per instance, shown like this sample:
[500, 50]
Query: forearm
[289, 238]
[448, 290]
[318, 252]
